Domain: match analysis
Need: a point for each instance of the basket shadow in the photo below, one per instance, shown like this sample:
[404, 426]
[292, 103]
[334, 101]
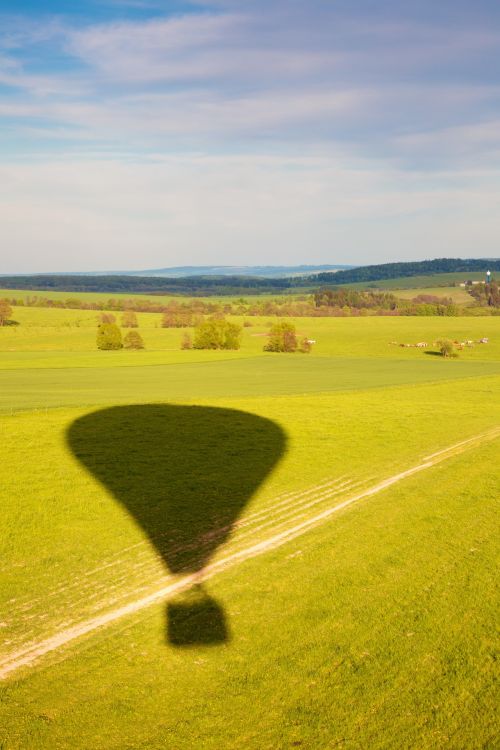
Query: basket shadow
[185, 474]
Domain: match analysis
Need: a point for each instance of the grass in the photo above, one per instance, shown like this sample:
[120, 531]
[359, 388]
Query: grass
[158, 299]
[52, 338]
[271, 375]
[370, 631]
[420, 282]
[381, 643]
[457, 294]
[404, 282]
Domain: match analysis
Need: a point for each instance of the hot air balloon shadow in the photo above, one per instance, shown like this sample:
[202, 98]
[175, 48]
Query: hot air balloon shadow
[184, 473]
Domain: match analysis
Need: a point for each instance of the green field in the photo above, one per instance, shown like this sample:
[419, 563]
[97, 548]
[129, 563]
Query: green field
[459, 295]
[421, 282]
[103, 297]
[175, 575]
[440, 284]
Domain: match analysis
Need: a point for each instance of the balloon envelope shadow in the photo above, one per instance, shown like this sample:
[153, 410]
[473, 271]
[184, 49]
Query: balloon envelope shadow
[184, 473]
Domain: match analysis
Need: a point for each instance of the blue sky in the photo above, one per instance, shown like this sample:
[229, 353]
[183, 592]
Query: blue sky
[140, 134]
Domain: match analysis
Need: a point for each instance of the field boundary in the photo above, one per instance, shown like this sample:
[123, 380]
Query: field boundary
[34, 652]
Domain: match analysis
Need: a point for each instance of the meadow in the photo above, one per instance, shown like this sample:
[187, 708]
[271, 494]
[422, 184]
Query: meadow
[184, 560]
[426, 281]
[438, 284]
[458, 294]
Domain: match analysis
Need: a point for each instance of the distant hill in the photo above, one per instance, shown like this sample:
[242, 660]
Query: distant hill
[122, 284]
[232, 284]
[413, 268]
[267, 272]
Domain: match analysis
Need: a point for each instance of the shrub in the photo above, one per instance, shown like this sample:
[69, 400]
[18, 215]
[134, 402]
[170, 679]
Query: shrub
[129, 319]
[109, 336]
[5, 311]
[217, 333]
[107, 317]
[282, 338]
[446, 348]
[133, 340]
[179, 319]
[186, 341]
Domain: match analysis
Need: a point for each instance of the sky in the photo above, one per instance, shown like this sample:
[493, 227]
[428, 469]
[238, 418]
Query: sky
[140, 134]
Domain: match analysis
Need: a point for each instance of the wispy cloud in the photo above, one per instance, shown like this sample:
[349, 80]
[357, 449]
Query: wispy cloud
[301, 75]
[393, 110]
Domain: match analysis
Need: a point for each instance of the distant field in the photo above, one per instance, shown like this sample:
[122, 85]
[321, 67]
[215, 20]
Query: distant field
[63, 338]
[420, 282]
[434, 281]
[159, 299]
[457, 294]
[122, 473]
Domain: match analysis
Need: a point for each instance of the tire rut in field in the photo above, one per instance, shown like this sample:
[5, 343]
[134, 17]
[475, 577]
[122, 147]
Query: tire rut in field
[95, 597]
[31, 652]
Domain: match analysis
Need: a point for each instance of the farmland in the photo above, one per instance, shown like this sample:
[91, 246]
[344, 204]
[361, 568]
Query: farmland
[366, 627]
[456, 293]
[425, 281]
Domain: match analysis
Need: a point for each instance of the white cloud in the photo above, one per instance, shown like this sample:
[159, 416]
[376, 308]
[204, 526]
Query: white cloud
[300, 130]
[462, 140]
[242, 75]
[86, 215]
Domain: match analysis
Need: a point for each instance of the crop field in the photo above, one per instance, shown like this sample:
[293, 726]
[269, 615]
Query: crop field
[421, 282]
[458, 294]
[205, 549]
[103, 297]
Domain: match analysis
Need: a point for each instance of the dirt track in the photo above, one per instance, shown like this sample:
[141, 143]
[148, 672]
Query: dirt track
[31, 653]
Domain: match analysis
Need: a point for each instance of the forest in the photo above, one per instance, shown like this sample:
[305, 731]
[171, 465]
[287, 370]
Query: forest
[232, 285]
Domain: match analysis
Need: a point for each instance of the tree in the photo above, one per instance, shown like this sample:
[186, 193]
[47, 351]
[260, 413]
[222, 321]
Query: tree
[107, 317]
[133, 340]
[282, 338]
[186, 341]
[217, 334]
[129, 319]
[352, 298]
[446, 348]
[109, 336]
[486, 294]
[5, 311]
[305, 345]
[177, 319]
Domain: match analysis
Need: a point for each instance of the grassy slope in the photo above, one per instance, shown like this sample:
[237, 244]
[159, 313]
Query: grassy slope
[45, 361]
[61, 334]
[50, 498]
[458, 295]
[45, 388]
[418, 282]
[413, 560]
[374, 631]
[20, 294]
[438, 280]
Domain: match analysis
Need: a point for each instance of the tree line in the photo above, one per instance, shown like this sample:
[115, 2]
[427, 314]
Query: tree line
[189, 285]
[200, 285]
[486, 295]
[407, 269]
[215, 333]
[324, 302]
